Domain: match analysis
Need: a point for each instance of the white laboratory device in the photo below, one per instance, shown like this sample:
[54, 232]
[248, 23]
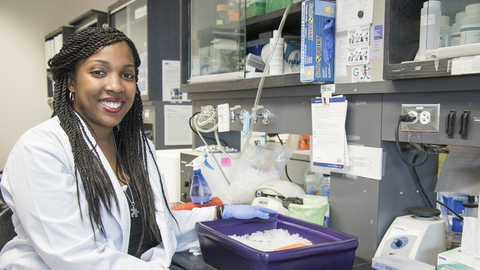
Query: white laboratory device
[271, 194]
[414, 237]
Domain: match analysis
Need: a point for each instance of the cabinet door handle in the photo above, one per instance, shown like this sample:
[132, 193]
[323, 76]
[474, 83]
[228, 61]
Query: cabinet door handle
[464, 124]
[450, 124]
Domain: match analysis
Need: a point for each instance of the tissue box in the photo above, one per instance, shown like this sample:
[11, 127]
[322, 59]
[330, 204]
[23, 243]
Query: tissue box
[317, 43]
[454, 259]
[397, 262]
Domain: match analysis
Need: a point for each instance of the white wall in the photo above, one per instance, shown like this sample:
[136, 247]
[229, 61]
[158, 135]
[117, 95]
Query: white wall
[23, 86]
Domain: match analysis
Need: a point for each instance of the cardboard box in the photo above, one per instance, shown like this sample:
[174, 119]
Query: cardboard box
[454, 259]
[317, 43]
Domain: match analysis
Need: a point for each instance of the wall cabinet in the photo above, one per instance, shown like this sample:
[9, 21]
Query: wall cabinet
[402, 41]
[253, 26]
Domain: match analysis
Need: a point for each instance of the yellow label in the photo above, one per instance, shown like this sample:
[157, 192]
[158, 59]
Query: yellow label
[309, 73]
[328, 9]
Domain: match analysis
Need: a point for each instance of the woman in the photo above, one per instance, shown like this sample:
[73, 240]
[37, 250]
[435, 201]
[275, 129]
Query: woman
[84, 186]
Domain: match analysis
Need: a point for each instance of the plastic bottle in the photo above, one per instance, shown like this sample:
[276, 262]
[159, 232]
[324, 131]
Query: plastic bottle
[423, 32]
[445, 32]
[325, 186]
[471, 207]
[200, 192]
[276, 63]
[312, 181]
[433, 24]
[455, 36]
[470, 26]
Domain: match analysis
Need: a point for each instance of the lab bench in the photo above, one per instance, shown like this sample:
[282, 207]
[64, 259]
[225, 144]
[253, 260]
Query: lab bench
[186, 260]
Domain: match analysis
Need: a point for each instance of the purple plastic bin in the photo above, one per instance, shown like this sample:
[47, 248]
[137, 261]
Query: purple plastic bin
[331, 249]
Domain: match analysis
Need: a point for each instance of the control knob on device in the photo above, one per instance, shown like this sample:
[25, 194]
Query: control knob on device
[397, 242]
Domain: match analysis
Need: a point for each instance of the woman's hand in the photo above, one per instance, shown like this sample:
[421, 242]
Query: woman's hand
[246, 212]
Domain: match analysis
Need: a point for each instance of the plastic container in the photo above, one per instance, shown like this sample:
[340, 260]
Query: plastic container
[222, 14]
[313, 209]
[423, 32]
[233, 11]
[445, 32]
[455, 37]
[276, 63]
[431, 22]
[311, 182]
[471, 207]
[331, 249]
[255, 61]
[325, 186]
[272, 5]
[470, 26]
[255, 8]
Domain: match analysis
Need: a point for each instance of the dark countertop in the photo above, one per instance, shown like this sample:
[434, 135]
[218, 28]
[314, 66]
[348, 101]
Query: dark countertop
[185, 260]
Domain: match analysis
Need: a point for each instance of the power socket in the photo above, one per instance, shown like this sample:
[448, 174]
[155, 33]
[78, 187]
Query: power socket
[427, 117]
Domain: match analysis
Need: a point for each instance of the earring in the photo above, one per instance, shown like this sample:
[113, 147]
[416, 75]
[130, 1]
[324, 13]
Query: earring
[71, 95]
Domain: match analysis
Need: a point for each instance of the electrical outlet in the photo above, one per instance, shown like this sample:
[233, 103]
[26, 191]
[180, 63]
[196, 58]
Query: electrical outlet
[427, 117]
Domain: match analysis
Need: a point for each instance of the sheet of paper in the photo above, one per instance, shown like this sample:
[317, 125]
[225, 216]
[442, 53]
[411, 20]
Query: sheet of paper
[341, 54]
[358, 48]
[177, 130]
[360, 73]
[353, 13]
[466, 65]
[328, 126]
[223, 118]
[171, 81]
[365, 162]
[377, 42]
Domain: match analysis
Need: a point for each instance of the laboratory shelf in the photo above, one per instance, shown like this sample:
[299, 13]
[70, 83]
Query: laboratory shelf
[292, 79]
[271, 20]
[254, 26]
[402, 24]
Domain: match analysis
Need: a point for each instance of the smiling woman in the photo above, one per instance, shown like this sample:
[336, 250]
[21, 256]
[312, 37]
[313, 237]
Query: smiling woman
[84, 186]
[103, 87]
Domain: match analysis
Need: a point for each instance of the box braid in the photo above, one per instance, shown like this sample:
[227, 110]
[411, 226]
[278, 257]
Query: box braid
[129, 135]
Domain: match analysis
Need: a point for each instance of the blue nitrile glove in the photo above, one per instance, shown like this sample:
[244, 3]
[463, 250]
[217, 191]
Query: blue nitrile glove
[328, 40]
[246, 211]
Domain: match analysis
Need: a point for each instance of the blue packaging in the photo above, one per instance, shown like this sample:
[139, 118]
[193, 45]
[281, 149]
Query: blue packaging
[291, 54]
[317, 44]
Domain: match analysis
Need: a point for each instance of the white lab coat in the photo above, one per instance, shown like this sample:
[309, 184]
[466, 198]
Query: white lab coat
[38, 184]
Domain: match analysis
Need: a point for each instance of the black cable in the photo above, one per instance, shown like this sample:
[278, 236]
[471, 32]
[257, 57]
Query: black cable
[451, 210]
[196, 132]
[397, 143]
[286, 170]
[417, 179]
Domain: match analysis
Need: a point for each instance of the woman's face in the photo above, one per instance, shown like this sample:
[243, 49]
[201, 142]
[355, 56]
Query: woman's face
[104, 86]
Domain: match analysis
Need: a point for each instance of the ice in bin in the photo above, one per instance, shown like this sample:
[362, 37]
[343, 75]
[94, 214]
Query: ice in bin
[331, 249]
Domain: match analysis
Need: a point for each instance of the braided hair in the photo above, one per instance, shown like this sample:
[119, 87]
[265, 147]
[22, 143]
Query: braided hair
[129, 135]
